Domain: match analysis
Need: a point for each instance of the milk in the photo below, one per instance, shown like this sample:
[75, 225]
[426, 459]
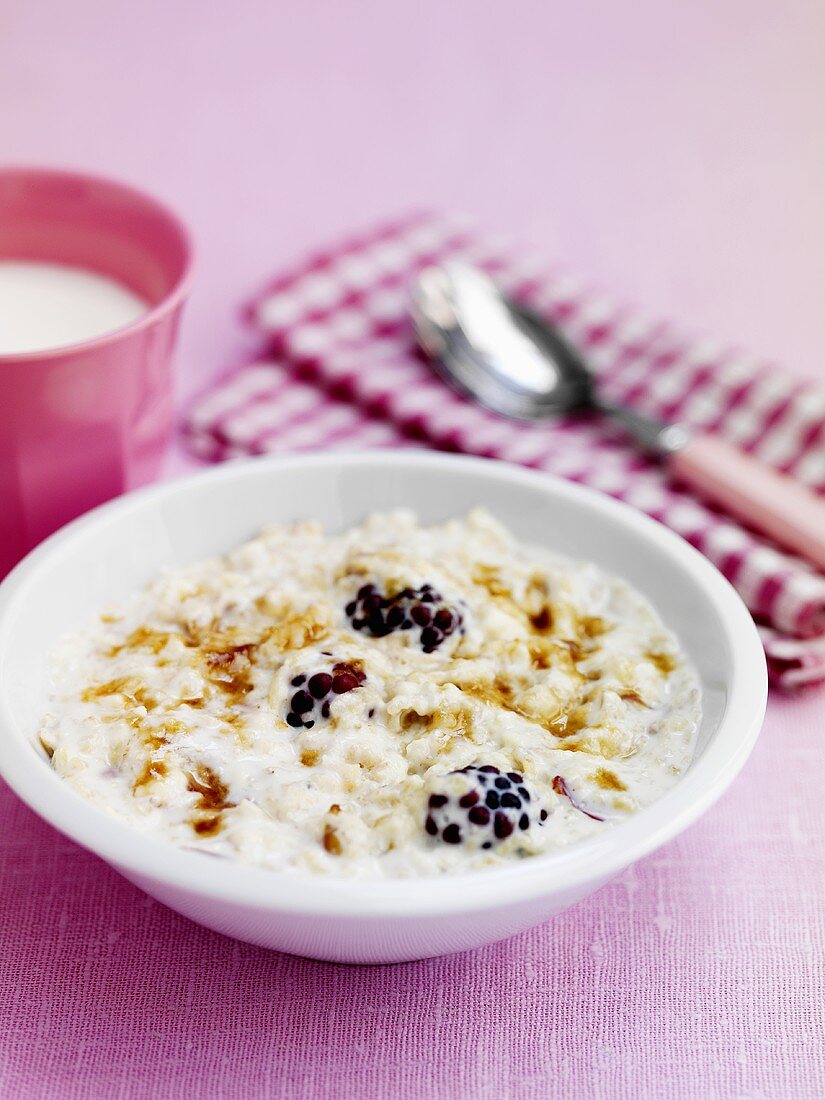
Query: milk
[45, 305]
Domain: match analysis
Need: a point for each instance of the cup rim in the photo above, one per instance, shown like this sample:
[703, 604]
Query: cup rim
[168, 303]
[596, 859]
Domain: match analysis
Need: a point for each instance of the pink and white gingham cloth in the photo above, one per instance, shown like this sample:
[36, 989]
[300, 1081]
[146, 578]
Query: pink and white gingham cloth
[340, 370]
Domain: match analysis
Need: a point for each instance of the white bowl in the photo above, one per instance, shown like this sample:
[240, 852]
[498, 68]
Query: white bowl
[115, 549]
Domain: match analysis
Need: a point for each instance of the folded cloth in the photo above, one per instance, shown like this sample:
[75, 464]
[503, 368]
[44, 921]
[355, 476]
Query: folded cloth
[341, 370]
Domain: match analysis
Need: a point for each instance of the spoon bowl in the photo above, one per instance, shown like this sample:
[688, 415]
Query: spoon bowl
[498, 352]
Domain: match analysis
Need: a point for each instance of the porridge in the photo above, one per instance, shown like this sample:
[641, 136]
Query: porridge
[395, 700]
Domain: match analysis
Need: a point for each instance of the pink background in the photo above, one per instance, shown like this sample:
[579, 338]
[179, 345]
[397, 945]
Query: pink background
[675, 154]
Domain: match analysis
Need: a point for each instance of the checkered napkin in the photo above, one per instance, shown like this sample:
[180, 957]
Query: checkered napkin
[340, 370]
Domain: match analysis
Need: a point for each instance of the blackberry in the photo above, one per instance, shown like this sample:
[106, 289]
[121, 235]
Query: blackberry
[480, 806]
[561, 788]
[422, 609]
[317, 692]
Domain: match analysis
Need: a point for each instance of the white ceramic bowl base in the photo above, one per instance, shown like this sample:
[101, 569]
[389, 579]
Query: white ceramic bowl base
[116, 549]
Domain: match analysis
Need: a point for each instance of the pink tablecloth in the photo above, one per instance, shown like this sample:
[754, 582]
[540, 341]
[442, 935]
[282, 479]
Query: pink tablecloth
[698, 973]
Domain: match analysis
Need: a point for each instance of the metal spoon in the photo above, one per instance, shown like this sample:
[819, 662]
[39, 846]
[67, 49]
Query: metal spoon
[515, 363]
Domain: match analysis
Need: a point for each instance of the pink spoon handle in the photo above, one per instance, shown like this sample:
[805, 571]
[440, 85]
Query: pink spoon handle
[753, 493]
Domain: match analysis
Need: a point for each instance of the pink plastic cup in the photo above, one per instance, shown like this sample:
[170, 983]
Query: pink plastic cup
[81, 424]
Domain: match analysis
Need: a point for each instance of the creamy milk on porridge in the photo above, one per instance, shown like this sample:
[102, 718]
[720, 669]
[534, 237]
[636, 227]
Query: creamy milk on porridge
[391, 701]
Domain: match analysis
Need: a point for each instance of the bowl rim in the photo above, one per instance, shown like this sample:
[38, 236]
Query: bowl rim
[591, 861]
[172, 299]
